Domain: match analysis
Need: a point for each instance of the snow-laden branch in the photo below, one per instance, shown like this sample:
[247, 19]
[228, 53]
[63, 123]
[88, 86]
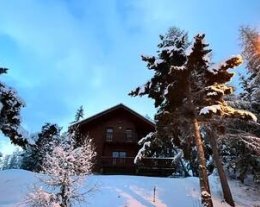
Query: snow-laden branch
[64, 169]
[251, 141]
[232, 62]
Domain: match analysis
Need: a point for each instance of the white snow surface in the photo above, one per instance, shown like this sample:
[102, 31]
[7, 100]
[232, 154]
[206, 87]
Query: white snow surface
[158, 62]
[208, 109]
[216, 67]
[183, 67]
[131, 191]
[253, 117]
[212, 94]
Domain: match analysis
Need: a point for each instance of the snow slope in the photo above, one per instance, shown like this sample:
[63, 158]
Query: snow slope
[130, 191]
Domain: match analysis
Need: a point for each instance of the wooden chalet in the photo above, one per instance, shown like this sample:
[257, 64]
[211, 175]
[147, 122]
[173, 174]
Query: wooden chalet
[116, 132]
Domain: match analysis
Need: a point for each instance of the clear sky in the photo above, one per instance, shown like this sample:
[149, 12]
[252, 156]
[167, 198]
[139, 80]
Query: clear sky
[66, 53]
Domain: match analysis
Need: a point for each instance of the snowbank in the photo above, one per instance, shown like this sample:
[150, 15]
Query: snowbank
[130, 191]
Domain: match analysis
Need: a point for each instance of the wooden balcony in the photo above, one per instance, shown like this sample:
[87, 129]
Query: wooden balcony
[118, 137]
[145, 163]
[155, 167]
[117, 162]
[156, 163]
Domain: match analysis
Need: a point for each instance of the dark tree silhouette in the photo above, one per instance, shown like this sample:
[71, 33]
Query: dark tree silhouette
[10, 108]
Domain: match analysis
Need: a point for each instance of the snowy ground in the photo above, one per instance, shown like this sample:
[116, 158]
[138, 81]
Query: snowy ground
[131, 191]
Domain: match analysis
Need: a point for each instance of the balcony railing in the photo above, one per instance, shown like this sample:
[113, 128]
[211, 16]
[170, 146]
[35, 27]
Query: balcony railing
[119, 137]
[156, 163]
[117, 162]
[145, 163]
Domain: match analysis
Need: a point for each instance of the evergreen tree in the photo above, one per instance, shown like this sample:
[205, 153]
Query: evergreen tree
[242, 140]
[15, 160]
[45, 141]
[80, 114]
[250, 42]
[6, 162]
[155, 144]
[10, 107]
[186, 87]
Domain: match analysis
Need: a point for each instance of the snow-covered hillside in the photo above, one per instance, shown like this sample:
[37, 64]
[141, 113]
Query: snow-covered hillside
[130, 191]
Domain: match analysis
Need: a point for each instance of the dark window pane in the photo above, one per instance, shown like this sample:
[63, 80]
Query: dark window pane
[109, 134]
[129, 135]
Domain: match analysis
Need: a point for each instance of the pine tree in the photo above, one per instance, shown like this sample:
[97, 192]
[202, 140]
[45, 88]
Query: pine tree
[6, 162]
[80, 114]
[15, 160]
[250, 42]
[45, 141]
[187, 87]
[64, 167]
[155, 144]
[242, 140]
[10, 120]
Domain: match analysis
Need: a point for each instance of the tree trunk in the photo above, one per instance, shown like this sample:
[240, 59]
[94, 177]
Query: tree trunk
[203, 176]
[65, 187]
[218, 163]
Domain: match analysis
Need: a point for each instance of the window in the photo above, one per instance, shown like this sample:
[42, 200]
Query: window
[122, 154]
[129, 135]
[118, 157]
[109, 134]
[119, 154]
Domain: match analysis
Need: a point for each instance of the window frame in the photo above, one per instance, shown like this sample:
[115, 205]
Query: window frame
[119, 158]
[129, 131]
[109, 134]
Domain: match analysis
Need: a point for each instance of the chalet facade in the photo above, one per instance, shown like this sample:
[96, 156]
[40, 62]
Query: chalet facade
[116, 132]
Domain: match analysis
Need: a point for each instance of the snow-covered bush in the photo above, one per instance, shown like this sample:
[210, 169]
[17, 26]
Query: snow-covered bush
[42, 198]
[64, 169]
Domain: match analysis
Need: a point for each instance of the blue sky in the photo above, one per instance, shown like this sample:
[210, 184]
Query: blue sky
[64, 53]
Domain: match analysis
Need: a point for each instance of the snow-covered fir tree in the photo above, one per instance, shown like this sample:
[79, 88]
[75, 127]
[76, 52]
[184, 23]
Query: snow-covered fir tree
[187, 87]
[250, 42]
[241, 143]
[42, 143]
[11, 161]
[250, 39]
[10, 108]
[156, 144]
[5, 162]
[64, 168]
[15, 159]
